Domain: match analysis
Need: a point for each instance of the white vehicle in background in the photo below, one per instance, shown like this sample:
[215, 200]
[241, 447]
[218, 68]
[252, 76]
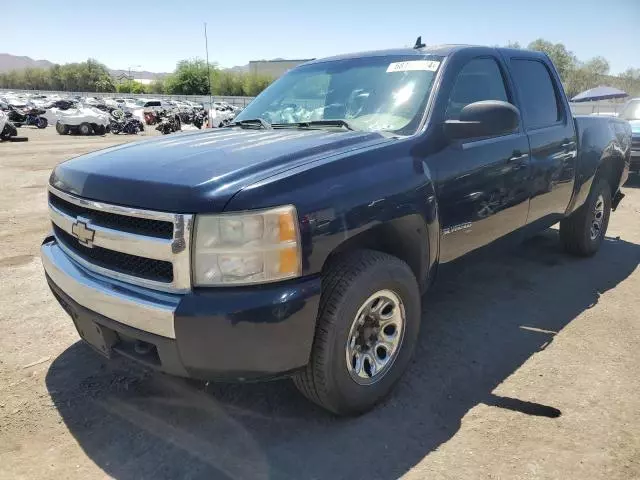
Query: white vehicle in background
[83, 120]
[8, 131]
[220, 118]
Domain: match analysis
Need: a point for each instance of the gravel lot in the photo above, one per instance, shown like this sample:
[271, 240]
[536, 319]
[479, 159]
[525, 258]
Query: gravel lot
[527, 367]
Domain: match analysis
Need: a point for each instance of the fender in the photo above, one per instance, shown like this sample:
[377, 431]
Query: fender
[601, 154]
[381, 198]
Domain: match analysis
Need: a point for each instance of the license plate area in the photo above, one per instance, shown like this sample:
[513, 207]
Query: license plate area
[98, 337]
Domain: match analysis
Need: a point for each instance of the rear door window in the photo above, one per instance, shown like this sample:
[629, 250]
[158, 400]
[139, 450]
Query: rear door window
[538, 97]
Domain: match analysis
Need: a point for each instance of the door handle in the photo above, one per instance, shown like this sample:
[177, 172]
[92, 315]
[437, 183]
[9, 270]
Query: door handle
[517, 155]
[568, 145]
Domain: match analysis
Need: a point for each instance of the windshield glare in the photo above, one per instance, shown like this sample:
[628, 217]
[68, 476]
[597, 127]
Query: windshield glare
[372, 93]
[631, 110]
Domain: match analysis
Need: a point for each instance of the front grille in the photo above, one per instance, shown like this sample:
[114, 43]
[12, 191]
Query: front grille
[146, 268]
[136, 225]
[635, 143]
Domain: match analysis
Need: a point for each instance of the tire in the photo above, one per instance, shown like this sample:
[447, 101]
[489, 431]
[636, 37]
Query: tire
[351, 283]
[85, 129]
[61, 128]
[100, 130]
[577, 232]
[42, 122]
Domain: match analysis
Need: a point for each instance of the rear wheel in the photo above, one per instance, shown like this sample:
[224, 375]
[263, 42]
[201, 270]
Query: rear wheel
[366, 331]
[84, 129]
[100, 129]
[42, 122]
[61, 128]
[582, 233]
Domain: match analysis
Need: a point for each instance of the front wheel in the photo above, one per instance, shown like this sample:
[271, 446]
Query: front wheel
[366, 331]
[61, 128]
[582, 233]
[85, 129]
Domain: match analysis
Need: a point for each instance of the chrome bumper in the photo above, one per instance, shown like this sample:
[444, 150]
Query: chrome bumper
[138, 307]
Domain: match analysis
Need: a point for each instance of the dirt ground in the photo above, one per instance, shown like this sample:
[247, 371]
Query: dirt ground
[527, 367]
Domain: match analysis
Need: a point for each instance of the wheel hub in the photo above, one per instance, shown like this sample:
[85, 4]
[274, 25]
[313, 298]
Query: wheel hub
[598, 218]
[375, 337]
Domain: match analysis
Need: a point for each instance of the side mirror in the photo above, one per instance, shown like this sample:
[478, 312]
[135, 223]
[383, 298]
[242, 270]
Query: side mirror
[487, 118]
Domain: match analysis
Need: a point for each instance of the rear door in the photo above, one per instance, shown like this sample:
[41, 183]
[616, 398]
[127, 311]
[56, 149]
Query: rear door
[549, 126]
[482, 182]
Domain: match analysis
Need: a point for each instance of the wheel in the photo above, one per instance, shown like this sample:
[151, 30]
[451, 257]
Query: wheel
[84, 129]
[61, 128]
[366, 331]
[582, 233]
[42, 122]
[100, 129]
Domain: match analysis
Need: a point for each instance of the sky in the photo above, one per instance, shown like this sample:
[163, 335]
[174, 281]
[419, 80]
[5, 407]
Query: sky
[155, 34]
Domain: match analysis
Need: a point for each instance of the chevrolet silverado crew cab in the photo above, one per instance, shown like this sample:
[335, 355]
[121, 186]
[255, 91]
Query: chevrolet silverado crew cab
[298, 240]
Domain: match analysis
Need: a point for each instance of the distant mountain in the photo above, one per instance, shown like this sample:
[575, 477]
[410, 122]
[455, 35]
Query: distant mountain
[238, 68]
[12, 62]
[140, 75]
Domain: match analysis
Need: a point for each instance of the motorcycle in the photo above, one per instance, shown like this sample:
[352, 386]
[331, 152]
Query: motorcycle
[27, 116]
[151, 117]
[199, 118]
[121, 122]
[169, 123]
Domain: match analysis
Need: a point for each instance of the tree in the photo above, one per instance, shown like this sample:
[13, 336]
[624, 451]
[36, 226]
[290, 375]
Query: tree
[157, 86]
[564, 60]
[515, 45]
[189, 78]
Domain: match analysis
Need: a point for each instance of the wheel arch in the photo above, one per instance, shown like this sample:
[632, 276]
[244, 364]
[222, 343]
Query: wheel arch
[407, 238]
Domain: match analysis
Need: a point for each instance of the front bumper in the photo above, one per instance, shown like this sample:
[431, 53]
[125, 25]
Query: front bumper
[238, 333]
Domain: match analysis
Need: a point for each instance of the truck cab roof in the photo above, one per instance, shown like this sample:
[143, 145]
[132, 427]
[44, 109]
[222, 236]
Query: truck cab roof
[435, 50]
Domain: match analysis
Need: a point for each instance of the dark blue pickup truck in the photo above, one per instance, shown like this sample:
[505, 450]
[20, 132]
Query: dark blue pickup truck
[298, 241]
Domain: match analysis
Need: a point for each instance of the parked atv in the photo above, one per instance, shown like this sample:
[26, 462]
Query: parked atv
[82, 120]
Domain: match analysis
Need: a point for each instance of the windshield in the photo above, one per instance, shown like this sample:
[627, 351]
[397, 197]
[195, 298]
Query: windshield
[386, 93]
[631, 110]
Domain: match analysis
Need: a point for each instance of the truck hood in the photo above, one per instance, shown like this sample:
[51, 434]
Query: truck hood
[198, 171]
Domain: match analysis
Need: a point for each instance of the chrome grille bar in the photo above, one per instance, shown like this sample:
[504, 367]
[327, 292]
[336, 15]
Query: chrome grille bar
[176, 250]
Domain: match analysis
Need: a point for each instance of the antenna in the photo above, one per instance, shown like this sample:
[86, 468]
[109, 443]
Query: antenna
[419, 43]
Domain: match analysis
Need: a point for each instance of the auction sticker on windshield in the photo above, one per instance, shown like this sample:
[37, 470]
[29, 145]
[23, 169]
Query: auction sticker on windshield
[428, 65]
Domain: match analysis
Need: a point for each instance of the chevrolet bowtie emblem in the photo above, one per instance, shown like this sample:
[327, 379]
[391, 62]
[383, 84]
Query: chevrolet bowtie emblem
[83, 233]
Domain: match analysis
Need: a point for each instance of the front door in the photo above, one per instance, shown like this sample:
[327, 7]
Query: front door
[482, 183]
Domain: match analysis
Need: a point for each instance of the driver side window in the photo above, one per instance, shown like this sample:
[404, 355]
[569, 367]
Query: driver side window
[480, 79]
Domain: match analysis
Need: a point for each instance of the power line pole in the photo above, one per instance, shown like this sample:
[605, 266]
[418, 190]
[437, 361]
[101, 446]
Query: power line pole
[206, 47]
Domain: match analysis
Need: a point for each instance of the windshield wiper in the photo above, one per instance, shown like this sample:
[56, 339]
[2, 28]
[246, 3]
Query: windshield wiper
[318, 123]
[253, 122]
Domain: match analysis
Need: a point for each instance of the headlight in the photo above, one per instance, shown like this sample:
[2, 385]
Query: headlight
[245, 248]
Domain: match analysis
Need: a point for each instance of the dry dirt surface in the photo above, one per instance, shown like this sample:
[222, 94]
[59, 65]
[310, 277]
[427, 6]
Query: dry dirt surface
[527, 367]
